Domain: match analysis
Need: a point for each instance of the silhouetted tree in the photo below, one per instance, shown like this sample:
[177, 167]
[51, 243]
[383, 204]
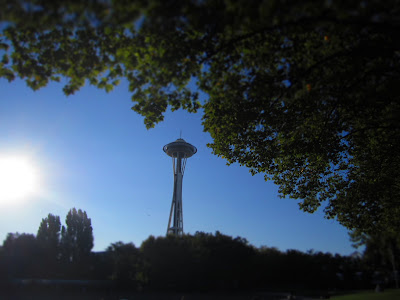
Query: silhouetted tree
[382, 251]
[21, 252]
[3, 268]
[227, 260]
[101, 266]
[127, 264]
[268, 272]
[77, 236]
[49, 232]
[203, 261]
[170, 255]
[200, 262]
[48, 237]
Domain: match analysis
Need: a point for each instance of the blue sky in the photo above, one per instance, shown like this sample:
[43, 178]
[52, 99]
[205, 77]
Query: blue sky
[94, 153]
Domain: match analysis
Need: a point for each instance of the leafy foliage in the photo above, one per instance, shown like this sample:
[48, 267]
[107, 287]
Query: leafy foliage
[382, 251]
[201, 262]
[49, 232]
[304, 92]
[127, 264]
[19, 253]
[77, 236]
[48, 239]
[207, 261]
[55, 252]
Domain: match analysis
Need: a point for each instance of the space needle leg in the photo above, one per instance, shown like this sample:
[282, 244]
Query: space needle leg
[173, 208]
[170, 217]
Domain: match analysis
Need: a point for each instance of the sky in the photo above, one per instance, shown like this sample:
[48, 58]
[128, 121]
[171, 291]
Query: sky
[92, 152]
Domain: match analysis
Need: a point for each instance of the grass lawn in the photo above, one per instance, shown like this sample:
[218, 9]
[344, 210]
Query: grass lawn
[371, 295]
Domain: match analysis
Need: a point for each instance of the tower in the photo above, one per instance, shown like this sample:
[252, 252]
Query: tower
[180, 151]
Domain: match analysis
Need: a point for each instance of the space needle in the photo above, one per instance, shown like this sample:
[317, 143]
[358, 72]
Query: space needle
[180, 151]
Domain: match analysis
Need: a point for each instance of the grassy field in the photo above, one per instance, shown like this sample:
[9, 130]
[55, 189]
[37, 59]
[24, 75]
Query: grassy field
[386, 295]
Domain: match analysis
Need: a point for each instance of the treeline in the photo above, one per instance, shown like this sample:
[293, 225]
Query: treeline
[217, 261]
[198, 262]
[55, 252]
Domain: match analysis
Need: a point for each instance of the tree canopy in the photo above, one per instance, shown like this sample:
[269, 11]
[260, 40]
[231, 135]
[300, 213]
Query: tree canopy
[77, 236]
[19, 251]
[382, 251]
[305, 92]
[49, 231]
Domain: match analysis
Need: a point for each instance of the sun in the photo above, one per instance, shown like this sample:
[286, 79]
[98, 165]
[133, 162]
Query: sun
[19, 179]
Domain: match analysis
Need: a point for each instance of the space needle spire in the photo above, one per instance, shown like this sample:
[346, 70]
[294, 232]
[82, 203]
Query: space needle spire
[180, 151]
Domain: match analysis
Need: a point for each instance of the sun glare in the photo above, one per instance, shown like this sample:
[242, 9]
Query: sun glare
[19, 179]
